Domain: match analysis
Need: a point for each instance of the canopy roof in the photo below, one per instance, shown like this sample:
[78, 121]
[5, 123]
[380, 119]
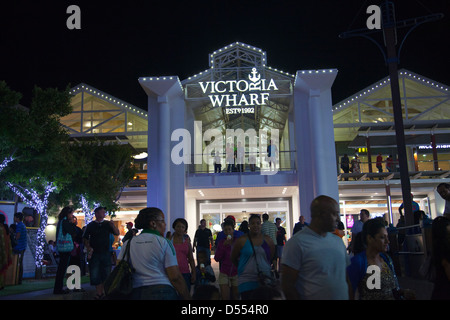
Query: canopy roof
[425, 105]
[103, 116]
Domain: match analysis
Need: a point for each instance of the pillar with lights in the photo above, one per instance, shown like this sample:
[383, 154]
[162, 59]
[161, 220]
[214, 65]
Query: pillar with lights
[166, 181]
[314, 137]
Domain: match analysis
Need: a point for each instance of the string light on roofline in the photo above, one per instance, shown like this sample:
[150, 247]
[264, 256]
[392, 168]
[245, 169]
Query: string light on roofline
[107, 97]
[403, 73]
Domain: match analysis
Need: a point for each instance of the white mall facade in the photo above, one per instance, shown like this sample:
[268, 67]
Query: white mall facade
[239, 101]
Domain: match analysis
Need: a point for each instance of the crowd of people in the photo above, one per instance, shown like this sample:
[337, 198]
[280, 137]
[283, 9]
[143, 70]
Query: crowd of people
[235, 158]
[255, 262]
[13, 243]
[354, 165]
[258, 262]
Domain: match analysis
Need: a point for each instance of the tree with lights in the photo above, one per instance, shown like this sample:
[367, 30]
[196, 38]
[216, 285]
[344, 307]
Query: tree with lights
[102, 172]
[33, 145]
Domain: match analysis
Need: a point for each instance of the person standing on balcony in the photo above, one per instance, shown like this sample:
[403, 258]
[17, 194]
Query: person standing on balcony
[345, 165]
[217, 163]
[390, 163]
[272, 154]
[356, 165]
[380, 163]
[230, 158]
[240, 157]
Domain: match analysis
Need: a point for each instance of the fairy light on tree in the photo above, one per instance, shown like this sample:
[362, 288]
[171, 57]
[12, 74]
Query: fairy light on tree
[5, 163]
[88, 213]
[39, 202]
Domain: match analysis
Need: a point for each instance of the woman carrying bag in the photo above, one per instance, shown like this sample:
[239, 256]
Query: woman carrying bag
[252, 254]
[64, 244]
[156, 274]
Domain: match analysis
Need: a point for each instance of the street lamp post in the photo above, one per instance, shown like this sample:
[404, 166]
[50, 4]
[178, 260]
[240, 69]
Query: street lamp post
[389, 28]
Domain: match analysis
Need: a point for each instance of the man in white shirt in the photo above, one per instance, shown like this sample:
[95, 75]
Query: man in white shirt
[314, 260]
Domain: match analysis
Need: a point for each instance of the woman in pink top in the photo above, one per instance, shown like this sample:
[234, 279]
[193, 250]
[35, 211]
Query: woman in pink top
[183, 248]
[228, 271]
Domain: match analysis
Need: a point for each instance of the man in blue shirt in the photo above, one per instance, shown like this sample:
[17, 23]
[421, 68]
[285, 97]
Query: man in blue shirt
[21, 246]
[364, 215]
[415, 206]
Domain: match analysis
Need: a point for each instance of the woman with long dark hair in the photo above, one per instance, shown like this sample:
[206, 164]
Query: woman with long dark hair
[375, 240]
[66, 224]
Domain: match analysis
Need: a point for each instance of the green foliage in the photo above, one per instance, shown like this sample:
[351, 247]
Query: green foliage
[42, 152]
[100, 172]
[8, 98]
[34, 137]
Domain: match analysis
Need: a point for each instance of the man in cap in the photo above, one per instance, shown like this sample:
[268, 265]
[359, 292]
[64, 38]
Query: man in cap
[97, 242]
[130, 233]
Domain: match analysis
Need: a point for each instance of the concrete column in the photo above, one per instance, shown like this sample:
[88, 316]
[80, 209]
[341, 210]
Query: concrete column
[314, 137]
[164, 155]
[166, 112]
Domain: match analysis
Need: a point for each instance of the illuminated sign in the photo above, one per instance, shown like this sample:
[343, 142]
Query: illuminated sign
[442, 146]
[239, 96]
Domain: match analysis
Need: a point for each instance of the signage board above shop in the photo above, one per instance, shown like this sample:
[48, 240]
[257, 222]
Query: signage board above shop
[238, 95]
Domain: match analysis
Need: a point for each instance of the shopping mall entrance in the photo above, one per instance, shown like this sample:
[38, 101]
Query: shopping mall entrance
[214, 212]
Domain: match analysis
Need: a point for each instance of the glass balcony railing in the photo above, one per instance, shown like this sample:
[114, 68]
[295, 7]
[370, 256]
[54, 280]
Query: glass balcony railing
[253, 163]
[423, 169]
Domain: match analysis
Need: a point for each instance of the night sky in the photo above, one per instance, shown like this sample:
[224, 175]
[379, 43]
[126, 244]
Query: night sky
[120, 41]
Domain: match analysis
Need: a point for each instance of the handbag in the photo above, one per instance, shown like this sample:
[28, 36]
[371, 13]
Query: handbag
[264, 279]
[64, 243]
[119, 283]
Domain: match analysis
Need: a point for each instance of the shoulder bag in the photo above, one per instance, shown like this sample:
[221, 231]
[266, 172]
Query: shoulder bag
[119, 284]
[64, 243]
[264, 279]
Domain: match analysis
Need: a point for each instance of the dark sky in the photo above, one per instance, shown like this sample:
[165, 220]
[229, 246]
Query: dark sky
[121, 41]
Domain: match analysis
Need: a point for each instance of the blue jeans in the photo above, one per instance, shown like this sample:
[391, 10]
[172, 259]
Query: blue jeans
[99, 267]
[156, 292]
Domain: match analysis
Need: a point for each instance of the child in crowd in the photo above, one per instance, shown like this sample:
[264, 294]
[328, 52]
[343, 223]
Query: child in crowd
[205, 273]
[228, 282]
